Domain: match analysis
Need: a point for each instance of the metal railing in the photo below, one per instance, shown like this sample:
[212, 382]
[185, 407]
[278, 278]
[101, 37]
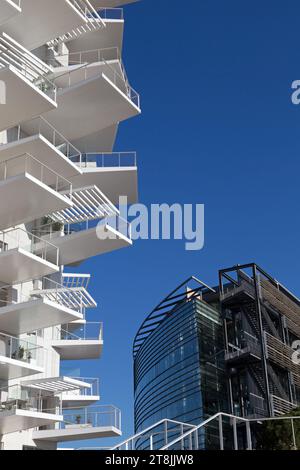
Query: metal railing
[18, 397]
[16, 57]
[27, 163]
[92, 391]
[92, 21]
[91, 331]
[21, 350]
[106, 160]
[85, 58]
[71, 280]
[111, 13]
[92, 417]
[40, 126]
[20, 238]
[161, 432]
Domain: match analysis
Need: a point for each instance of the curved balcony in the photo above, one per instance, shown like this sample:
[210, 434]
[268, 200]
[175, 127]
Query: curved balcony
[25, 256]
[23, 408]
[19, 358]
[33, 190]
[80, 424]
[83, 342]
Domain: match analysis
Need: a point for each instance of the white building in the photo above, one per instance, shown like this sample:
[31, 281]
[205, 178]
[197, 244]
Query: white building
[63, 92]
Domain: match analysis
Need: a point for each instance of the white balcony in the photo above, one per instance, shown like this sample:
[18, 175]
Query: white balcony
[22, 409]
[89, 423]
[25, 256]
[24, 310]
[27, 92]
[98, 4]
[19, 358]
[87, 395]
[8, 9]
[32, 189]
[90, 228]
[85, 342]
[38, 138]
[108, 37]
[115, 173]
[99, 92]
[43, 21]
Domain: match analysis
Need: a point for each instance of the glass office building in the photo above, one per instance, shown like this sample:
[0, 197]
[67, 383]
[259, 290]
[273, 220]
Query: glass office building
[179, 363]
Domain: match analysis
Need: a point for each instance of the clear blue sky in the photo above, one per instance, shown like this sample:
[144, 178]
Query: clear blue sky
[218, 128]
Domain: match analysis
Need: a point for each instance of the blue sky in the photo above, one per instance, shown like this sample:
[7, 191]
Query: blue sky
[218, 127]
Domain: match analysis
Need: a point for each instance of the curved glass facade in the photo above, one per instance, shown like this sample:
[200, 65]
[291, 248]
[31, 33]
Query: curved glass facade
[179, 369]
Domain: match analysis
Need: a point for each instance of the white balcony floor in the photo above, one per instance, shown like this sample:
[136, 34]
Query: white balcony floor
[18, 265]
[70, 350]
[13, 369]
[78, 401]
[8, 9]
[112, 181]
[28, 199]
[104, 140]
[98, 102]
[20, 420]
[38, 146]
[76, 434]
[79, 246]
[23, 100]
[42, 21]
[111, 36]
[34, 315]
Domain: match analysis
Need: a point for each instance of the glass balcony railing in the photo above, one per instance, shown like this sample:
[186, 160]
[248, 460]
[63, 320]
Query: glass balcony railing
[21, 350]
[20, 238]
[111, 13]
[92, 391]
[92, 417]
[91, 331]
[18, 397]
[106, 160]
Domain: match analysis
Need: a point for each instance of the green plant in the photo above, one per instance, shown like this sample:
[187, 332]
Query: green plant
[278, 435]
[78, 419]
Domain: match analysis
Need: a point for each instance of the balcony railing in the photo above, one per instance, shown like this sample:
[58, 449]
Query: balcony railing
[106, 160]
[13, 55]
[21, 350]
[18, 397]
[92, 417]
[91, 331]
[20, 238]
[85, 58]
[40, 126]
[26, 163]
[111, 13]
[71, 280]
[76, 299]
[90, 16]
[92, 391]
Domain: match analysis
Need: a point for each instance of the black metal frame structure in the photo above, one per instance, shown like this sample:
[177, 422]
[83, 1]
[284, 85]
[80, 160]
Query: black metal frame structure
[261, 321]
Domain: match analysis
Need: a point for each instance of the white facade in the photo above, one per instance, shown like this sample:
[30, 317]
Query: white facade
[63, 92]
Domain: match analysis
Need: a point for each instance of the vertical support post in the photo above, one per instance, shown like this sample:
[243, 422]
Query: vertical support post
[262, 340]
[221, 436]
[181, 433]
[248, 434]
[166, 432]
[294, 435]
[196, 440]
[235, 438]
[151, 442]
